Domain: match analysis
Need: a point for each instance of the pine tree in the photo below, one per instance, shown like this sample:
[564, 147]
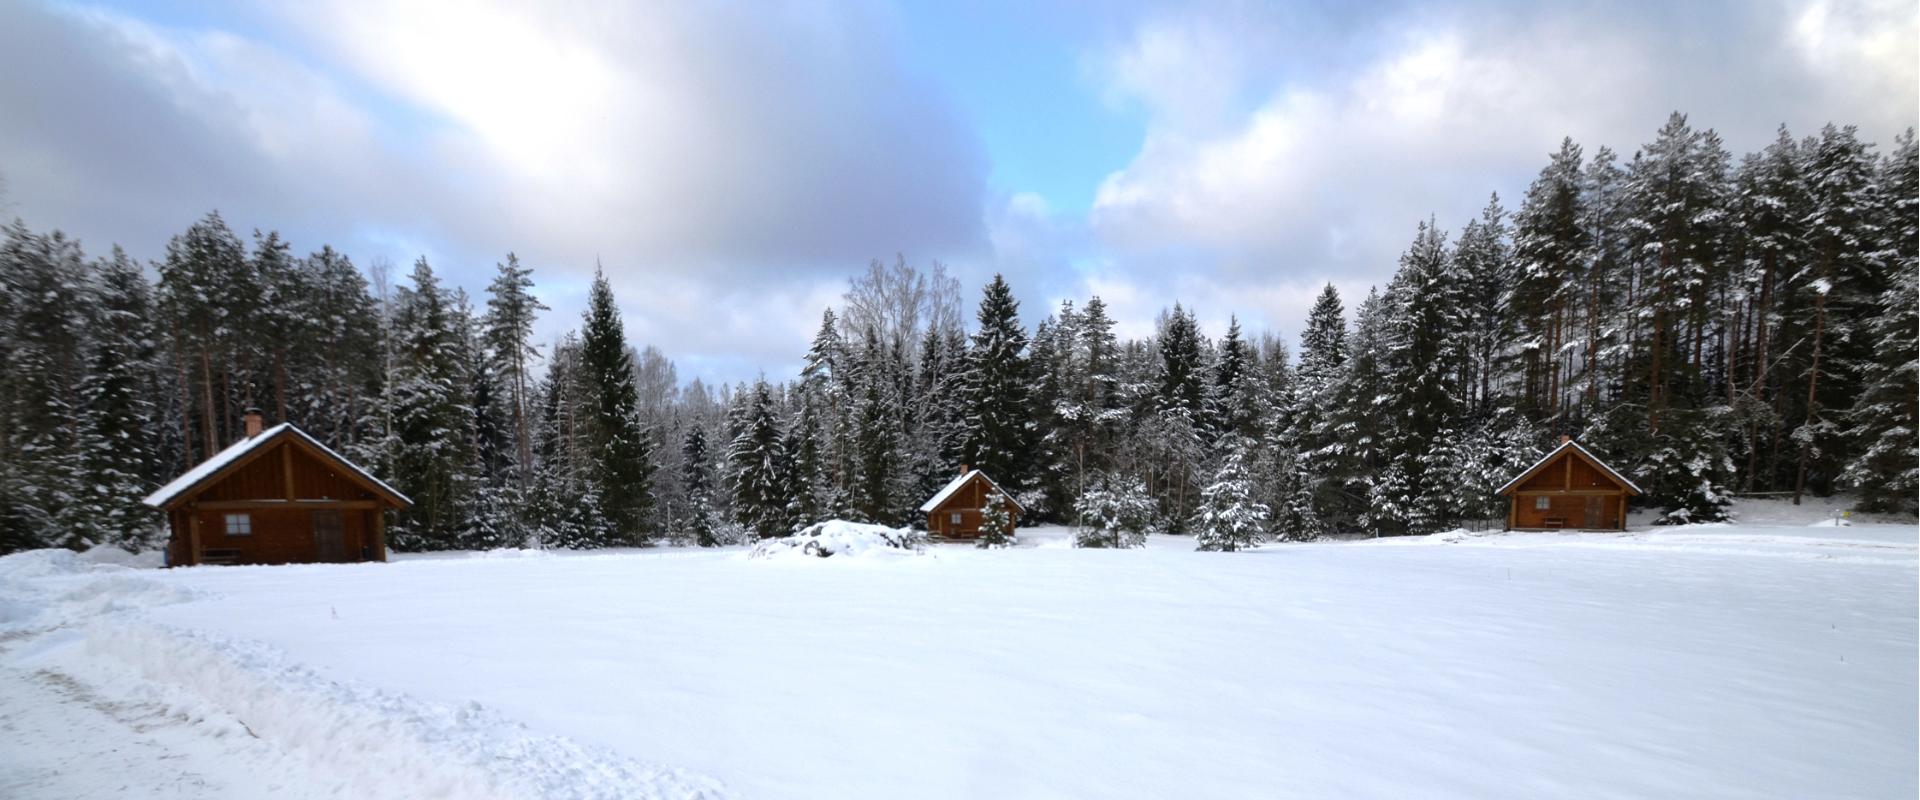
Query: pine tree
[876, 437]
[1237, 404]
[622, 447]
[1175, 430]
[116, 419]
[1422, 367]
[1229, 518]
[996, 523]
[759, 487]
[1884, 419]
[1350, 444]
[995, 388]
[1551, 250]
[1097, 410]
[1485, 266]
[432, 419]
[511, 311]
[1839, 282]
[1113, 513]
[695, 462]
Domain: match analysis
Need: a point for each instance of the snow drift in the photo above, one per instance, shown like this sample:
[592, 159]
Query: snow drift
[83, 626]
[840, 537]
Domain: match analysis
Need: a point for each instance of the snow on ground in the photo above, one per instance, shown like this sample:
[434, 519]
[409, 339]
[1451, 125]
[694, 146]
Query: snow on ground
[1757, 659]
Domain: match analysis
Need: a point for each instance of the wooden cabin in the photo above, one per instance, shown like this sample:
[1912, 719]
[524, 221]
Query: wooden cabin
[956, 510]
[1569, 489]
[277, 496]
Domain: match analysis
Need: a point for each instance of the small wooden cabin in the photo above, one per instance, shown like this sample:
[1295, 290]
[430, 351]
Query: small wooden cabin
[956, 510]
[1570, 488]
[276, 497]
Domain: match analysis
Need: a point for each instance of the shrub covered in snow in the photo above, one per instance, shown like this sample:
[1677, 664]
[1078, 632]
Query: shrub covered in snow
[996, 523]
[1229, 518]
[840, 537]
[1115, 514]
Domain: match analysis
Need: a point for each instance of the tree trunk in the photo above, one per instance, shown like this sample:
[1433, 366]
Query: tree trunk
[1813, 386]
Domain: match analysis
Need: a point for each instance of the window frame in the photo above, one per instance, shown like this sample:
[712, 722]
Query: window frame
[1542, 502]
[244, 526]
[953, 518]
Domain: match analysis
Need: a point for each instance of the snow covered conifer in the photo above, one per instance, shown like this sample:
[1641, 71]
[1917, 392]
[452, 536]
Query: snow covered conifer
[432, 417]
[1884, 421]
[996, 523]
[116, 434]
[996, 387]
[1113, 513]
[511, 310]
[697, 469]
[759, 485]
[1229, 518]
[622, 446]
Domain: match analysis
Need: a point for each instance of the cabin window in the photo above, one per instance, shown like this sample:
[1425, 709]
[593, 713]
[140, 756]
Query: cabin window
[239, 525]
[1542, 503]
[953, 518]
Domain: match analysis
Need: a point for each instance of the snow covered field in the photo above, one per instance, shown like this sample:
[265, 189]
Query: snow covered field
[1763, 659]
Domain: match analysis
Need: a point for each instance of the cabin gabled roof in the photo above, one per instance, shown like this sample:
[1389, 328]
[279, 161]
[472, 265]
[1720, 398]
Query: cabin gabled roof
[240, 452]
[1555, 453]
[953, 486]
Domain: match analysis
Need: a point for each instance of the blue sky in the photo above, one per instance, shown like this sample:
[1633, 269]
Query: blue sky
[731, 164]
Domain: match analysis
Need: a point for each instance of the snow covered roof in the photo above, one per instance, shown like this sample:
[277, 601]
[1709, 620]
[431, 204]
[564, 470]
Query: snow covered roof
[1528, 472]
[240, 449]
[954, 486]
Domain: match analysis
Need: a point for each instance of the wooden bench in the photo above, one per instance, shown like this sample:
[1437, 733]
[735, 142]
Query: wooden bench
[220, 555]
[1553, 522]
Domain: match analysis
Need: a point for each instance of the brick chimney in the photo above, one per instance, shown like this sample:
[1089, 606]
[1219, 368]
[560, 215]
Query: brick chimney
[253, 422]
[963, 469]
[1565, 438]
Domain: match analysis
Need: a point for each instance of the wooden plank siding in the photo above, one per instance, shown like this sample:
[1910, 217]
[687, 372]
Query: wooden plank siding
[1569, 492]
[968, 504]
[282, 488]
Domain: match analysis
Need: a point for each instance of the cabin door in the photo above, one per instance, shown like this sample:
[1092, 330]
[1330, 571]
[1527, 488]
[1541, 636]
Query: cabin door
[329, 541]
[1596, 513]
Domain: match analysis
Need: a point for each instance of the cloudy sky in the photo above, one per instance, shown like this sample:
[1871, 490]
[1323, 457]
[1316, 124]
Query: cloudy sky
[731, 164]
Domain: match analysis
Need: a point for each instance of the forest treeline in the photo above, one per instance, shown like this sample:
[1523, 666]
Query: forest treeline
[1711, 325]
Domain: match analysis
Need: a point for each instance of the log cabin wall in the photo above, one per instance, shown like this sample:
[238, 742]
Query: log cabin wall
[966, 503]
[1576, 495]
[266, 478]
[299, 506]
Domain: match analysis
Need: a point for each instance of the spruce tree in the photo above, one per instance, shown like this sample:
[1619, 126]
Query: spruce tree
[116, 416]
[622, 447]
[698, 478]
[996, 387]
[1423, 368]
[1229, 518]
[996, 523]
[430, 448]
[759, 487]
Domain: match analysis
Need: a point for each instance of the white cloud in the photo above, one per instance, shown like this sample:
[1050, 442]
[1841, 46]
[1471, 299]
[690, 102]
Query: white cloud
[1325, 173]
[718, 157]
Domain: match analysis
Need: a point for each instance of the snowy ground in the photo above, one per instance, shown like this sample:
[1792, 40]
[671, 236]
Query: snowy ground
[1761, 659]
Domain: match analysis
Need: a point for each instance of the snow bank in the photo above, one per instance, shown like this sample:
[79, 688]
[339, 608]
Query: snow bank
[840, 537]
[83, 625]
[52, 586]
[376, 743]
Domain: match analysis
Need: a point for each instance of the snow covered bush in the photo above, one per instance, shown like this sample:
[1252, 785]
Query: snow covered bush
[1689, 471]
[996, 523]
[840, 537]
[1114, 515]
[1229, 518]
